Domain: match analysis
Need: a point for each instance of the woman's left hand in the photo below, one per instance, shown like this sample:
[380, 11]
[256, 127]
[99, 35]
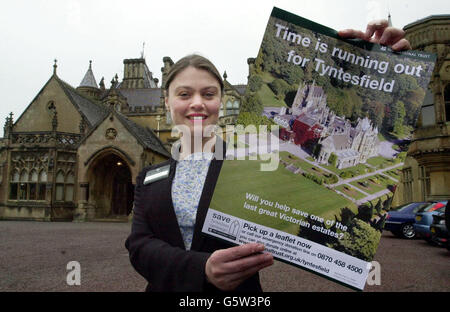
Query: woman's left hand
[379, 32]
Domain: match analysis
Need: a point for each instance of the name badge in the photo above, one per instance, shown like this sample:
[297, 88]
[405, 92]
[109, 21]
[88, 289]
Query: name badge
[156, 174]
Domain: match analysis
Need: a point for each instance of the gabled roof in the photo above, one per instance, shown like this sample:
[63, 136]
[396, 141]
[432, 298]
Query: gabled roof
[145, 136]
[90, 110]
[240, 88]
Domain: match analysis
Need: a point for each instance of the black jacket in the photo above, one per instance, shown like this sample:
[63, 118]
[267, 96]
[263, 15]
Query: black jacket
[155, 245]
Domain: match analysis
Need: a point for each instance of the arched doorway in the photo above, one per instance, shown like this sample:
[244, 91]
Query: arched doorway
[122, 193]
[111, 189]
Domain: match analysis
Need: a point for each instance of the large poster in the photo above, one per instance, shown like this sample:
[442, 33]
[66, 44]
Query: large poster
[321, 139]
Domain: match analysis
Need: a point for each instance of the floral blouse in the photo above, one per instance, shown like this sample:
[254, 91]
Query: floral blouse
[187, 188]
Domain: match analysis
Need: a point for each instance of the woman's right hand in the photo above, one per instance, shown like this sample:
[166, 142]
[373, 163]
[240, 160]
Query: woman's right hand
[228, 268]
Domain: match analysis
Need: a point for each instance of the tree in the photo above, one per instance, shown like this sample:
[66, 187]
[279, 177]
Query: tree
[248, 118]
[252, 103]
[346, 216]
[316, 150]
[280, 88]
[378, 207]
[376, 112]
[398, 117]
[360, 240]
[387, 203]
[332, 160]
[255, 83]
[365, 212]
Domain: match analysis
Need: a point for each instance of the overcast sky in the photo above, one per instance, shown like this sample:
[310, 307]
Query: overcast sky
[34, 33]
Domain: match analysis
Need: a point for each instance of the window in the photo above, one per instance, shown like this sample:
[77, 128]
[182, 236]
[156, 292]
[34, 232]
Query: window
[33, 185]
[64, 186]
[427, 112]
[28, 186]
[229, 108]
[236, 107]
[23, 185]
[59, 185]
[42, 185]
[447, 102]
[424, 177]
[14, 185]
[70, 181]
[407, 184]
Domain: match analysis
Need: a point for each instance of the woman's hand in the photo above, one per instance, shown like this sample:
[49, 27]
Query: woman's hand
[228, 268]
[379, 32]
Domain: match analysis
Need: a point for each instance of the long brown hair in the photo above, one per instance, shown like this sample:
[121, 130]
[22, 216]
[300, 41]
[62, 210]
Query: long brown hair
[196, 61]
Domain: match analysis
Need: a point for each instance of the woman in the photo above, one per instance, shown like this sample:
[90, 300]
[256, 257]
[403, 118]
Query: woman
[166, 245]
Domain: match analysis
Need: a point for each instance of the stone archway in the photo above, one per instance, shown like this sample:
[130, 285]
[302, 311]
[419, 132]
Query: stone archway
[110, 186]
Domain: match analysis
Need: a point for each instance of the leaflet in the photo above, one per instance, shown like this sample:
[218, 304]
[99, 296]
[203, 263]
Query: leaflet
[317, 149]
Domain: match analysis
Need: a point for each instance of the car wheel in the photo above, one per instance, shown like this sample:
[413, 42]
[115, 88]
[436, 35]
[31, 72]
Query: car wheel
[407, 231]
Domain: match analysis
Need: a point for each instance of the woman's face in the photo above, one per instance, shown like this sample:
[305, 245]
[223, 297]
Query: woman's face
[194, 98]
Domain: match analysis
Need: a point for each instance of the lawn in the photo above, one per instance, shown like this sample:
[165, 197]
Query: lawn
[395, 173]
[380, 162]
[350, 191]
[268, 97]
[239, 177]
[305, 166]
[372, 187]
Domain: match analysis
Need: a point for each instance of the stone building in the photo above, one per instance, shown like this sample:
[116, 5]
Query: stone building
[426, 173]
[75, 153]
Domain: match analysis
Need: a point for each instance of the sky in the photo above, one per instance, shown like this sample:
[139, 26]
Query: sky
[35, 33]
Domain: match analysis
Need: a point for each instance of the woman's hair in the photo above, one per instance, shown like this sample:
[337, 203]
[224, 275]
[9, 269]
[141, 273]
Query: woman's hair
[196, 61]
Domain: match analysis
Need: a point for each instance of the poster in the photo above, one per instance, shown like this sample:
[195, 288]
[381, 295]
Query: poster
[318, 148]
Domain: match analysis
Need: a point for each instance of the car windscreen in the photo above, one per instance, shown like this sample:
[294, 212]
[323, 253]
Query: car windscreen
[414, 206]
[436, 206]
[420, 207]
[426, 207]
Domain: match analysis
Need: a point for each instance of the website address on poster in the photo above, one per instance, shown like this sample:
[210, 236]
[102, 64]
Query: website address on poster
[291, 248]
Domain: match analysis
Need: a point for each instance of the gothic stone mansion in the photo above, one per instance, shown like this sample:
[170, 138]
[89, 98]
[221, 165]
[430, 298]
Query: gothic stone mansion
[310, 122]
[75, 153]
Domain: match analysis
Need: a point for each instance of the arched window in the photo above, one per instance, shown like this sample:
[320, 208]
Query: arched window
[14, 185]
[236, 107]
[70, 182]
[23, 185]
[32, 186]
[43, 176]
[42, 185]
[65, 185]
[15, 176]
[59, 186]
